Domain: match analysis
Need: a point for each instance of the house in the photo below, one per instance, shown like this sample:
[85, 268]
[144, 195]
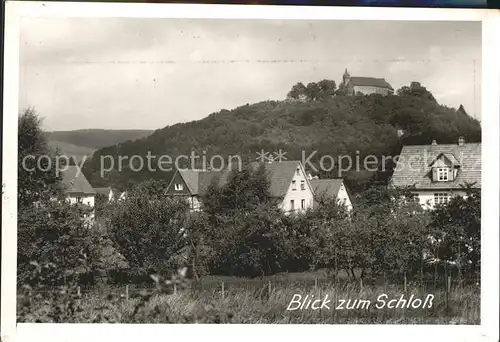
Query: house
[76, 186]
[365, 85]
[438, 172]
[288, 183]
[109, 193]
[334, 188]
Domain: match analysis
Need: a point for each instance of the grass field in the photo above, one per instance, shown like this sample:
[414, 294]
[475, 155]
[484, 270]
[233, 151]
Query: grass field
[266, 301]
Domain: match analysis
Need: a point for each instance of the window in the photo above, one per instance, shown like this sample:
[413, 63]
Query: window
[292, 205]
[441, 198]
[294, 185]
[302, 185]
[79, 200]
[297, 172]
[303, 204]
[442, 174]
[178, 187]
[415, 198]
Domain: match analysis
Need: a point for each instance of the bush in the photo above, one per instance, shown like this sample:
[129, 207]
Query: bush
[456, 228]
[149, 230]
[56, 232]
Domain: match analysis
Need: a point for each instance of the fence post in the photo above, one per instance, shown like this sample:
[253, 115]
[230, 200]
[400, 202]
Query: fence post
[175, 288]
[447, 280]
[78, 291]
[269, 288]
[222, 290]
[405, 282]
[315, 283]
[126, 292]
[361, 284]
[435, 270]
[459, 263]
[422, 283]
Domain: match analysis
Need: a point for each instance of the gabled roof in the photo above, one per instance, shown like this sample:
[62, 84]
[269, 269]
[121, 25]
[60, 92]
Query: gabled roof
[280, 177]
[414, 166]
[370, 82]
[191, 179]
[450, 156]
[75, 182]
[329, 187]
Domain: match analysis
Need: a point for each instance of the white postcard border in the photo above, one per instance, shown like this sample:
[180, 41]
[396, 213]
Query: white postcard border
[488, 330]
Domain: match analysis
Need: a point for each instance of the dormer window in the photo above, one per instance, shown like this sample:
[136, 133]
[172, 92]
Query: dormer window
[178, 187]
[445, 168]
[442, 174]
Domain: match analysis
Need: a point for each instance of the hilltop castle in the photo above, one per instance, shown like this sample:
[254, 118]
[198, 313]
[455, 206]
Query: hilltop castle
[365, 85]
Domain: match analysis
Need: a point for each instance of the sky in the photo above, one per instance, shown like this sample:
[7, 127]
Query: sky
[139, 73]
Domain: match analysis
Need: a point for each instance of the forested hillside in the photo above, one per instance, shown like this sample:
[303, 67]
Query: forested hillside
[330, 125]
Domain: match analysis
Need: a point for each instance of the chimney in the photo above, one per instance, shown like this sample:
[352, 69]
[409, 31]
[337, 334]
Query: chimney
[461, 141]
[434, 143]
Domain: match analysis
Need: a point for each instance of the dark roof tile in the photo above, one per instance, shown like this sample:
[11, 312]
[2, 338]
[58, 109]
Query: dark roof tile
[414, 166]
[370, 82]
[75, 181]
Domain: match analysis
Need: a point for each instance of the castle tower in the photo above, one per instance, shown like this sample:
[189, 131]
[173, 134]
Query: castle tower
[346, 77]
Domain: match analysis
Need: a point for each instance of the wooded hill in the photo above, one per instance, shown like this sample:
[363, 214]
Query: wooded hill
[332, 125]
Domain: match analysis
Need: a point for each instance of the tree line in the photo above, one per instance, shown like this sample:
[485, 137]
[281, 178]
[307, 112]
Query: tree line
[240, 232]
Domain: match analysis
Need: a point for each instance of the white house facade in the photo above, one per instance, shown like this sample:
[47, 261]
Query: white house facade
[77, 188]
[299, 196]
[435, 173]
[288, 183]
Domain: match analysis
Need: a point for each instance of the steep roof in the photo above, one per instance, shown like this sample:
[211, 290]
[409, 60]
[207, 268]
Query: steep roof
[329, 187]
[191, 179]
[280, 177]
[370, 82]
[414, 166]
[75, 181]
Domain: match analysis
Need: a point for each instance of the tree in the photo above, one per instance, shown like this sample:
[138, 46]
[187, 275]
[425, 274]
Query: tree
[297, 92]
[457, 231]
[149, 229]
[244, 190]
[38, 178]
[313, 91]
[56, 233]
[327, 88]
[250, 243]
[462, 110]
[416, 89]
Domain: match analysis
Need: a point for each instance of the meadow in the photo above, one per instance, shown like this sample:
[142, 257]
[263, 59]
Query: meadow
[265, 301]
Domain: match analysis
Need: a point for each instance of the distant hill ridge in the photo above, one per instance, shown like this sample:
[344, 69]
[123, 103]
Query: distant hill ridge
[97, 138]
[84, 142]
